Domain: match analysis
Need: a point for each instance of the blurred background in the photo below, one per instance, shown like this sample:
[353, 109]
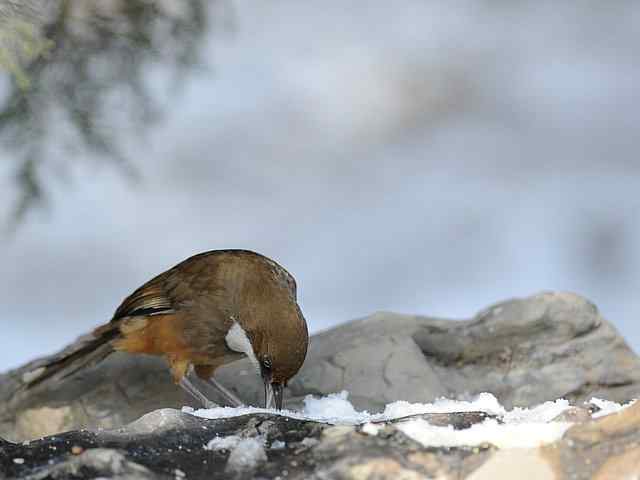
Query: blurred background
[428, 157]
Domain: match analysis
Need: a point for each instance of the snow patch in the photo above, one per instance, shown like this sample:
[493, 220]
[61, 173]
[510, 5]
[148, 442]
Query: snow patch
[371, 428]
[246, 455]
[223, 443]
[278, 445]
[608, 407]
[542, 413]
[334, 408]
[519, 435]
[485, 402]
[516, 428]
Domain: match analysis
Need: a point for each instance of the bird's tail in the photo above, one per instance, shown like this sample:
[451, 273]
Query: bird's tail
[86, 351]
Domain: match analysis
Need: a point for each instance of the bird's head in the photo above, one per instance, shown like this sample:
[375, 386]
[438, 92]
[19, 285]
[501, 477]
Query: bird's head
[276, 343]
[280, 349]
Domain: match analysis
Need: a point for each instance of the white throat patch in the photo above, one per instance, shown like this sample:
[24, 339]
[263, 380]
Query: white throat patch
[238, 341]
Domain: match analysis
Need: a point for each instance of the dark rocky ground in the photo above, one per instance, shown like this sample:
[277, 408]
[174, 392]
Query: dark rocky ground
[168, 444]
[144, 450]
[158, 452]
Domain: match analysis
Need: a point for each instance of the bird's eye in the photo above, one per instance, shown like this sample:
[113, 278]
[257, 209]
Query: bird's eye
[266, 363]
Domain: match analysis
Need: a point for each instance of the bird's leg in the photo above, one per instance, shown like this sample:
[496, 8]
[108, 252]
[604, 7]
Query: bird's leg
[205, 373]
[180, 369]
[225, 392]
[190, 388]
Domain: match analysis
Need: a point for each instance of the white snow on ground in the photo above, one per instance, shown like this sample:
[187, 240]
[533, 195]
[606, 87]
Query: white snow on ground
[246, 455]
[278, 445]
[485, 402]
[607, 407]
[334, 409]
[542, 413]
[520, 427]
[223, 443]
[371, 428]
[514, 435]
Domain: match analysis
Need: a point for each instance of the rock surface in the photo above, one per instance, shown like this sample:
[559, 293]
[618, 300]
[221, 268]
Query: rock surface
[525, 351]
[265, 446]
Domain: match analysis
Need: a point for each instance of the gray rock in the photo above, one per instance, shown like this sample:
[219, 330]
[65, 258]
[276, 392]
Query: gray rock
[552, 345]
[525, 351]
[94, 463]
[158, 421]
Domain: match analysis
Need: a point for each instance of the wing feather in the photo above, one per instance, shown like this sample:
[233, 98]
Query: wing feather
[150, 299]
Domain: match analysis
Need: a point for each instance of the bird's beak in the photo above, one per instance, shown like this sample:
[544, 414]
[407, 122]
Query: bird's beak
[273, 394]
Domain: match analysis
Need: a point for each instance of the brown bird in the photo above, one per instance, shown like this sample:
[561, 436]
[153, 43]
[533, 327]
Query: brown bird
[208, 310]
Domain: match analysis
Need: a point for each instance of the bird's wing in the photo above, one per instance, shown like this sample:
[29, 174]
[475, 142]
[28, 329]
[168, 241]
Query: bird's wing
[190, 294]
[168, 291]
[150, 299]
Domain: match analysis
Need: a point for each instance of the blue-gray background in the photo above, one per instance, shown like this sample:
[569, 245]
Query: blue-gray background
[425, 157]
